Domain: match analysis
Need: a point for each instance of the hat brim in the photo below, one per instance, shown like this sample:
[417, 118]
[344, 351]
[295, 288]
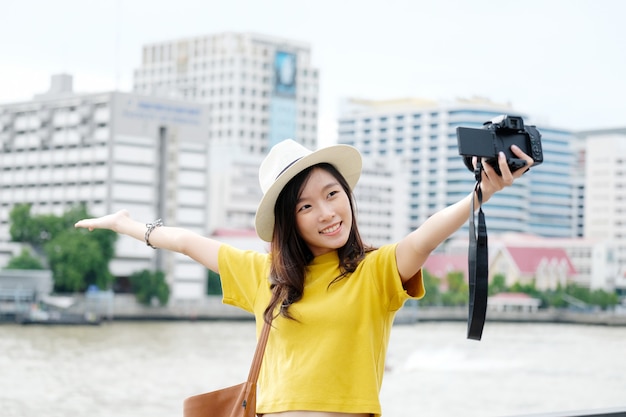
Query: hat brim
[345, 158]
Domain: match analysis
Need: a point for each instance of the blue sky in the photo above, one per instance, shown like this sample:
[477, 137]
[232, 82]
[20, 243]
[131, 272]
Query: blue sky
[562, 61]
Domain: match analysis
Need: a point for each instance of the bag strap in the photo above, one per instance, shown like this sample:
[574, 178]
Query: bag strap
[478, 259]
[255, 368]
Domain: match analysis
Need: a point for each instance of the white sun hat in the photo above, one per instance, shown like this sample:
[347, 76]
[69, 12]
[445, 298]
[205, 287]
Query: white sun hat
[287, 159]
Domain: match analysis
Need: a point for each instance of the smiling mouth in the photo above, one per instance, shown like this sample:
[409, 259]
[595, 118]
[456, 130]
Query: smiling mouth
[331, 229]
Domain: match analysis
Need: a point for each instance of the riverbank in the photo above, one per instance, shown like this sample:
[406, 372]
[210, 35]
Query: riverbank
[212, 308]
[125, 308]
[540, 316]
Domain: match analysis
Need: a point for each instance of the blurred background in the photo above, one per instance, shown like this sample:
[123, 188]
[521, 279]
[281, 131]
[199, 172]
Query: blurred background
[93, 112]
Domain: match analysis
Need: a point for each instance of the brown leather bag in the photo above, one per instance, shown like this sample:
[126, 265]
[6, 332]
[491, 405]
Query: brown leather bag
[236, 401]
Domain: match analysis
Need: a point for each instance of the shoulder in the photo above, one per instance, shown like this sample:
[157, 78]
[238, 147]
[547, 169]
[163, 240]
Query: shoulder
[385, 252]
[380, 261]
[234, 259]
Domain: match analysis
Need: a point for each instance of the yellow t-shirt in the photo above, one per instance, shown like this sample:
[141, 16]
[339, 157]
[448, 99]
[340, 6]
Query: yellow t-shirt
[333, 357]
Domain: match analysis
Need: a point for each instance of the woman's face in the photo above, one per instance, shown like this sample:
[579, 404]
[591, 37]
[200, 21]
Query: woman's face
[323, 213]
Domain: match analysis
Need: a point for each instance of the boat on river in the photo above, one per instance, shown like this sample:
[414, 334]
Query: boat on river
[55, 310]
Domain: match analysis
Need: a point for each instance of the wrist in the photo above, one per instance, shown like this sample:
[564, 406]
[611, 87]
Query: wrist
[149, 229]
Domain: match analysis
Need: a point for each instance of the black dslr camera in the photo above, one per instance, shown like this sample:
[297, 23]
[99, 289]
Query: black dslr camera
[498, 135]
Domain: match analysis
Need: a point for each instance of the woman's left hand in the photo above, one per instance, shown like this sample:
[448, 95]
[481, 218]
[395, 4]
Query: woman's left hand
[491, 182]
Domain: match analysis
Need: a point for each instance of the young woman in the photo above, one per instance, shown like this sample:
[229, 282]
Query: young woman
[331, 297]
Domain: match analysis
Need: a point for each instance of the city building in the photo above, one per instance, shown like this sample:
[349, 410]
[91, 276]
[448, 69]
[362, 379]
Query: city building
[593, 263]
[578, 185]
[546, 268]
[150, 155]
[605, 192]
[258, 89]
[422, 134]
[553, 198]
[109, 151]
[234, 190]
[381, 195]
[382, 201]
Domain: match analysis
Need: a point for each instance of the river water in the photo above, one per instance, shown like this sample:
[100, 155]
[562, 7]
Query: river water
[130, 369]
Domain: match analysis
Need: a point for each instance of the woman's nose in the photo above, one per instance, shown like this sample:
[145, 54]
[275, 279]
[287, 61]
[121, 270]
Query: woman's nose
[326, 212]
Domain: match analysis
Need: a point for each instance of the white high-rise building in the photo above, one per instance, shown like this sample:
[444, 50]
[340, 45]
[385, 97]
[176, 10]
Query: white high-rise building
[578, 184]
[554, 197]
[380, 195]
[382, 198]
[259, 89]
[422, 135]
[605, 192]
[109, 151]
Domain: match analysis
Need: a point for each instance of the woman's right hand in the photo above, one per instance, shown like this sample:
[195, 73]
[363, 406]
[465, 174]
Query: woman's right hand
[110, 221]
[199, 248]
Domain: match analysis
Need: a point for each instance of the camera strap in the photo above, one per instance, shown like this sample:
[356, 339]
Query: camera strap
[478, 258]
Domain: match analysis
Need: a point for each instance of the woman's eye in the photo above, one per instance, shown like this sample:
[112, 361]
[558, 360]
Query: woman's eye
[303, 207]
[332, 193]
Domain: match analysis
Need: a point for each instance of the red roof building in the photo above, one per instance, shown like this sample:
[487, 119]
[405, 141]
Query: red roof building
[546, 267]
[440, 265]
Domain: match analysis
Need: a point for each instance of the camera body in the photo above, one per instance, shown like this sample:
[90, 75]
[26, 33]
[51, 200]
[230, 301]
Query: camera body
[498, 135]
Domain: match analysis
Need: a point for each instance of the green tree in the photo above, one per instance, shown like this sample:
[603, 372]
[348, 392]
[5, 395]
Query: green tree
[458, 290]
[23, 228]
[77, 261]
[213, 283]
[105, 238]
[598, 298]
[528, 288]
[497, 284]
[25, 260]
[433, 293]
[148, 285]
[456, 282]
[576, 291]
[604, 299]
[77, 258]
[553, 298]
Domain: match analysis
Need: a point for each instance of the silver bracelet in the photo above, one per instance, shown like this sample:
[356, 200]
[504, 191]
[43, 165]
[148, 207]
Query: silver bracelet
[151, 227]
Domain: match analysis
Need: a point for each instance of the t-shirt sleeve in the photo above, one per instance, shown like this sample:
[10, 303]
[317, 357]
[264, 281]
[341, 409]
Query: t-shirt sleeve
[242, 272]
[389, 281]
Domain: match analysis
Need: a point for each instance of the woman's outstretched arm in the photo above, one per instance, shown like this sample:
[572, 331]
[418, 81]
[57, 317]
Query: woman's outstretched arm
[201, 249]
[414, 249]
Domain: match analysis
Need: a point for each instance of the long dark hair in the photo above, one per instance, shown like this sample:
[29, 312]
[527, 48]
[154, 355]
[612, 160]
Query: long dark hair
[289, 252]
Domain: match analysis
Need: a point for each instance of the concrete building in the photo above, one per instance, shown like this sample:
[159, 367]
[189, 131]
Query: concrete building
[605, 192]
[109, 151]
[382, 201]
[593, 259]
[234, 190]
[381, 195]
[258, 89]
[553, 201]
[422, 134]
[546, 268]
[578, 184]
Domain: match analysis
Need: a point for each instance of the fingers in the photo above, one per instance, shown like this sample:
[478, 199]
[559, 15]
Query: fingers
[492, 182]
[507, 176]
[498, 181]
[520, 154]
[110, 221]
[84, 224]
